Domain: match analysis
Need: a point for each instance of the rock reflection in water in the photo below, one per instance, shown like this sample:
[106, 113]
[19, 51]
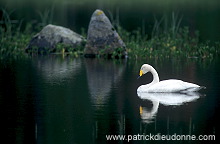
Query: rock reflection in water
[167, 99]
[56, 69]
[101, 76]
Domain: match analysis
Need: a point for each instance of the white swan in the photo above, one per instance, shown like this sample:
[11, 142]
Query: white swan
[165, 86]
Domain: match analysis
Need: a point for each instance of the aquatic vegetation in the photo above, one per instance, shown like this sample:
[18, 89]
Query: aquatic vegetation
[12, 41]
[46, 16]
[69, 50]
[167, 45]
[12, 47]
[164, 42]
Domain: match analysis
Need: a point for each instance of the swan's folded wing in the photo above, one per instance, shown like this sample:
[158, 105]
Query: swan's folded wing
[173, 86]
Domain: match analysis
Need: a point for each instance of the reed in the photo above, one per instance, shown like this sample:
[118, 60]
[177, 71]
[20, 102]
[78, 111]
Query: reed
[46, 16]
[166, 40]
[12, 40]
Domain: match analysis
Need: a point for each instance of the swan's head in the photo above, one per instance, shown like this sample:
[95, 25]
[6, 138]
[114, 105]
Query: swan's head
[145, 68]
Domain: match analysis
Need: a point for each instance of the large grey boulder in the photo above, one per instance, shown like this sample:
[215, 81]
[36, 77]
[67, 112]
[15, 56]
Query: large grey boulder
[51, 35]
[102, 38]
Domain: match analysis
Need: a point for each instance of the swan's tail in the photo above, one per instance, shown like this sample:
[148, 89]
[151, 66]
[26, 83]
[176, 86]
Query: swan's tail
[193, 89]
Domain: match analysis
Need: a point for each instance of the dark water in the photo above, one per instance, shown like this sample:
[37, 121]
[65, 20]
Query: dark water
[55, 100]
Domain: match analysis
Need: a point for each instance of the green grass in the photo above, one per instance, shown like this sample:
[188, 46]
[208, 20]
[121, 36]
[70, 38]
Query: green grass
[138, 46]
[165, 45]
[13, 46]
[167, 40]
[12, 41]
[164, 42]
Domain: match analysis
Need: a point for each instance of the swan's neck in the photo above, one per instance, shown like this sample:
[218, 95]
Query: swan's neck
[155, 76]
[155, 107]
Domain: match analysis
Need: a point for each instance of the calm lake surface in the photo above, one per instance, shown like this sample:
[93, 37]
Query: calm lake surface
[55, 100]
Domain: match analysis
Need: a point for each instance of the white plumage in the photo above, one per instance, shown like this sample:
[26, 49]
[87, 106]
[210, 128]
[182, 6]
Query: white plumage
[166, 86]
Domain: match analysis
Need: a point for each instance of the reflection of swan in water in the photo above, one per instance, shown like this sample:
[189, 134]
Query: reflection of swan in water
[56, 69]
[166, 99]
[148, 115]
[101, 76]
[171, 85]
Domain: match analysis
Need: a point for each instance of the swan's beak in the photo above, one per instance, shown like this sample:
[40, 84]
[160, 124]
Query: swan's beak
[140, 74]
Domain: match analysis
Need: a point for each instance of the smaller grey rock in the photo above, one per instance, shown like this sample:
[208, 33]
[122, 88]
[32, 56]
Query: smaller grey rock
[102, 38]
[51, 35]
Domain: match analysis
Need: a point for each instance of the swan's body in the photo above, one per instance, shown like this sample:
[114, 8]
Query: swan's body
[165, 86]
[169, 86]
